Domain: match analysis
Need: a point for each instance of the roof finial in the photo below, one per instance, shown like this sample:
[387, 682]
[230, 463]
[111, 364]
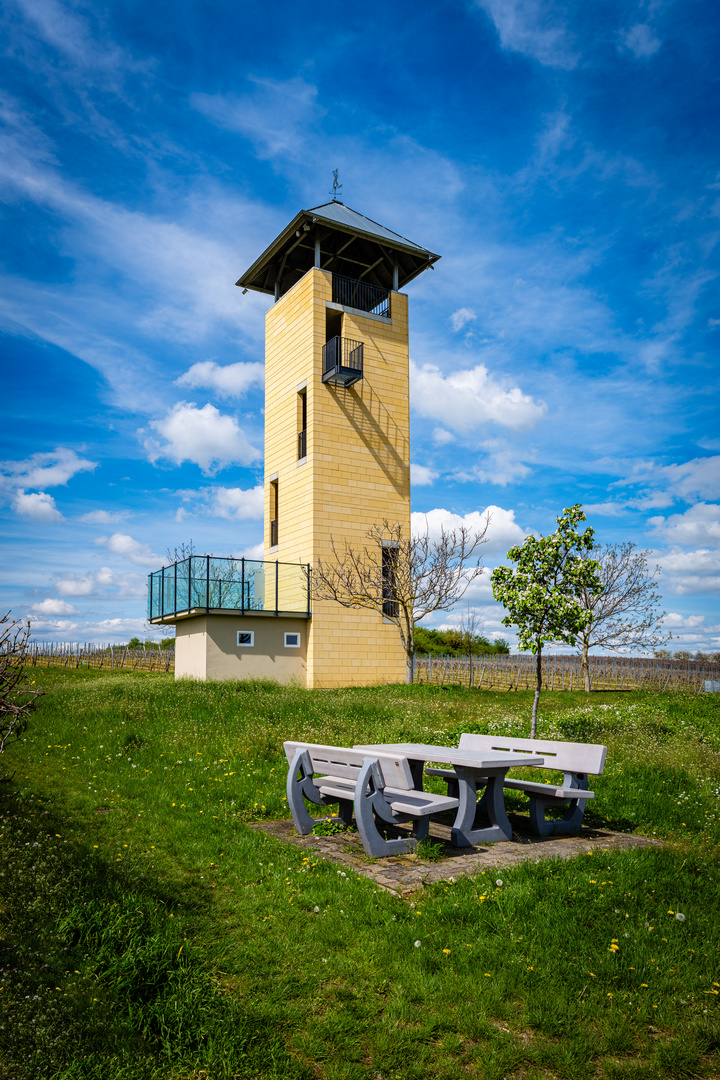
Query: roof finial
[336, 187]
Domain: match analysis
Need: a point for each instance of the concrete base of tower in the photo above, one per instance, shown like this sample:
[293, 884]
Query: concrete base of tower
[241, 647]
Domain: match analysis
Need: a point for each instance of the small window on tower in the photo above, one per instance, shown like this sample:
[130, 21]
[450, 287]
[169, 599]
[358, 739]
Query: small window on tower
[390, 604]
[292, 641]
[246, 638]
[273, 513]
[302, 424]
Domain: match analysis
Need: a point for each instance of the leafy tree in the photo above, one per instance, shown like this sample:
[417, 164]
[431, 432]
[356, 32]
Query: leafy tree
[543, 595]
[404, 578]
[167, 643]
[624, 611]
[17, 698]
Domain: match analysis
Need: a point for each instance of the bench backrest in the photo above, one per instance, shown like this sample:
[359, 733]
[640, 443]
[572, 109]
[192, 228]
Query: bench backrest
[566, 756]
[341, 761]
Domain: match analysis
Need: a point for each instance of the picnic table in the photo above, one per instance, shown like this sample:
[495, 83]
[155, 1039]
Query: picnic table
[473, 768]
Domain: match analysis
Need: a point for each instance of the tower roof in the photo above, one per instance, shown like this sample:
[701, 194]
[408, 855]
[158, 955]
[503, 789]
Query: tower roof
[350, 244]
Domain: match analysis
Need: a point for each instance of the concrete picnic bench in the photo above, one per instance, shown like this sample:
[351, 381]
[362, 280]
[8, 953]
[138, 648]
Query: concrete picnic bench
[373, 785]
[576, 760]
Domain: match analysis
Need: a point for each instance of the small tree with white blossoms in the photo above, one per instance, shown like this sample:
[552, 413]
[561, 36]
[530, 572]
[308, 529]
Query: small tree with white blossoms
[543, 595]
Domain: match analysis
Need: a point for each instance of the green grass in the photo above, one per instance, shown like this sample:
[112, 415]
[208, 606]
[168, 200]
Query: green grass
[147, 932]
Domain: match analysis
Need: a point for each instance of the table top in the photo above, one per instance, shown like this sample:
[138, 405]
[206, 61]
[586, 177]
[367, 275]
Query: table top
[453, 755]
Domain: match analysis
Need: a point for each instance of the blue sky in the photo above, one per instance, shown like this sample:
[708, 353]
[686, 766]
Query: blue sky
[563, 160]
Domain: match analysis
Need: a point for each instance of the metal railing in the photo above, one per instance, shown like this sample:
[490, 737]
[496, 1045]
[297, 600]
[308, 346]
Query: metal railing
[302, 444]
[342, 361]
[203, 583]
[360, 295]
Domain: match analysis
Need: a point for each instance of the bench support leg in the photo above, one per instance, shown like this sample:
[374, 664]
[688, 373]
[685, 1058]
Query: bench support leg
[464, 832]
[370, 804]
[568, 823]
[300, 786]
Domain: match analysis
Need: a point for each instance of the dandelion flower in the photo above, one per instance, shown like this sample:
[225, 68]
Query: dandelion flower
[499, 882]
[417, 944]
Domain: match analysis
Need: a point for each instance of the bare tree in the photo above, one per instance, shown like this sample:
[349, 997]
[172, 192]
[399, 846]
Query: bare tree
[17, 698]
[404, 578]
[470, 627]
[624, 611]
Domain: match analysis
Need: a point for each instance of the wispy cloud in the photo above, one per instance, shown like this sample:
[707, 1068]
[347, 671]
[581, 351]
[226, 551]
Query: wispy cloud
[45, 469]
[535, 28]
[422, 475]
[640, 40]
[232, 503]
[277, 116]
[699, 525]
[101, 583]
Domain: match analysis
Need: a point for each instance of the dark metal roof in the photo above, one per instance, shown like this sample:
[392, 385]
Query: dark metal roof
[350, 244]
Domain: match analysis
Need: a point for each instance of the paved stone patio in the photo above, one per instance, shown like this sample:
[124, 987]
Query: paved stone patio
[404, 875]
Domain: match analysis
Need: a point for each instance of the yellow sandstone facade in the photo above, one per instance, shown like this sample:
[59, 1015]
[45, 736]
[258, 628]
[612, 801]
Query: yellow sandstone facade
[337, 463]
[355, 471]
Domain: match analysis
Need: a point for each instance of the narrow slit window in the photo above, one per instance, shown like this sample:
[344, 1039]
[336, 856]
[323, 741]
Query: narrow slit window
[273, 513]
[302, 424]
[390, 604]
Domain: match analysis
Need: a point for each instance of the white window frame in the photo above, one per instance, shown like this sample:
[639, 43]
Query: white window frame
[246, 644]
[290, 645]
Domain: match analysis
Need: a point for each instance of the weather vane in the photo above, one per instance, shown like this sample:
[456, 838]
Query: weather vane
[336, 187]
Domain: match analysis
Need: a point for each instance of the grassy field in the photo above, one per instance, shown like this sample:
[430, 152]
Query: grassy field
[146, 932]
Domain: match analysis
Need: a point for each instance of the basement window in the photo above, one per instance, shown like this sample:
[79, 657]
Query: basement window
[292, 641]
[246, 638]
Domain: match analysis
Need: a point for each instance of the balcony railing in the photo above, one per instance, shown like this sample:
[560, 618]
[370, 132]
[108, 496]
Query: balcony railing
[302, 444]
[203, 584]
[342, 361]
[360, 295]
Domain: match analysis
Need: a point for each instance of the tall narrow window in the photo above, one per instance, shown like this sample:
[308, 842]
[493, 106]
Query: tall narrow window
[390, 604]
[273, 513]
[302, 424]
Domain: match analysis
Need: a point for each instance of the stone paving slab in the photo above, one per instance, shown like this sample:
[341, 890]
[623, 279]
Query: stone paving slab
[405, 874]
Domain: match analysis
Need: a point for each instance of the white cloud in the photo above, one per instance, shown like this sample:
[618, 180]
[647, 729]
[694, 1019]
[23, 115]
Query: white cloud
[128, 548]
[673, 620]
[605, 509]
[204, 436]
[503, 531]
[422, 476]
[256, 551]
[686, 572]
[233, 503]
[103, 517]
[442, 437]
[502, 467]
[102, 582]
[53, 626]
[44, 470]
[228, 380]
[533, 28]
[52, 607]
[461, 318]
[640, 40]
[37, 505]
[466, 399]
[699, 525]
[695, 479]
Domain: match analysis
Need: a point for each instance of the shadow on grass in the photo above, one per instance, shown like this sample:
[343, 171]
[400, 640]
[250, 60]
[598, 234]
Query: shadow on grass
[97, 979]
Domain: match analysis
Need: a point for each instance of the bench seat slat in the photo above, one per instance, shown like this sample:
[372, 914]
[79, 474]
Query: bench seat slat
[548, 791]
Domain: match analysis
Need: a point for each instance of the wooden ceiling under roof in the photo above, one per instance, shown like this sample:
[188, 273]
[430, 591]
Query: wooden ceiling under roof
[349, 244]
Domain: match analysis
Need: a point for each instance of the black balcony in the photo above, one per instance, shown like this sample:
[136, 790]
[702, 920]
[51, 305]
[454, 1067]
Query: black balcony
[342, 361]
[360, 295]
[302, 445]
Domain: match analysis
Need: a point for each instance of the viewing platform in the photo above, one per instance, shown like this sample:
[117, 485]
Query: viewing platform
[204, 585]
